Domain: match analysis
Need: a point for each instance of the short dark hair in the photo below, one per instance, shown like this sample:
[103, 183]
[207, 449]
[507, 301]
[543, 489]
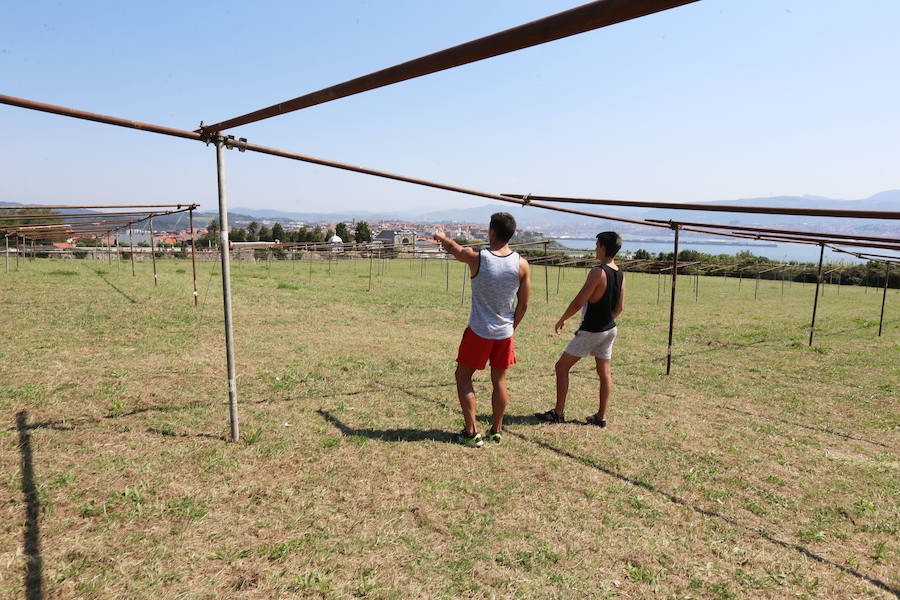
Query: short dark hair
[610, 240]
[504, 226]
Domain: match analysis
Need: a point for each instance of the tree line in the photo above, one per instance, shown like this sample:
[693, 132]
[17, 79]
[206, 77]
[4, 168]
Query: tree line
[254, 232]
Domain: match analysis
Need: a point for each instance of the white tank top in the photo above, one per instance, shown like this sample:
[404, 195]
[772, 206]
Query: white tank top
[494, 289]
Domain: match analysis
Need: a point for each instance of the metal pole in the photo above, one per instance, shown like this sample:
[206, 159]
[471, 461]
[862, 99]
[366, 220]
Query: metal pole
[131, 247]
[226, 291]
[153, 253]
[108, 249]
[658, 283]
[6, 254]
[310, 265]
[17, 251]
[558, 275]
[546, 282]
[193, 256]
[697, 286]
[118, 253]
[447, 265]
[812, 326]
[462, 296]
[782, 282]
[672, 303]
[371, 258]
[269, 263]
[887, 276]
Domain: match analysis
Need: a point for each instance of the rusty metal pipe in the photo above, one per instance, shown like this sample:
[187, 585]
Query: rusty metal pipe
[561, 25]
[812, 326]
[767, 210]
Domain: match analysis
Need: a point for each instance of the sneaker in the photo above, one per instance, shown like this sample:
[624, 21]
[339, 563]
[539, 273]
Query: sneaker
[493, 436]
[593, 420]
[470, 441]
[551, 416]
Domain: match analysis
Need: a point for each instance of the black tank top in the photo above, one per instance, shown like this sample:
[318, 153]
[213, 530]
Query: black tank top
[598, 315]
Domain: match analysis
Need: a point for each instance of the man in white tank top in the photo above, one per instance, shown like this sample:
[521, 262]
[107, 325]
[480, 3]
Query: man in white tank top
[501, 283]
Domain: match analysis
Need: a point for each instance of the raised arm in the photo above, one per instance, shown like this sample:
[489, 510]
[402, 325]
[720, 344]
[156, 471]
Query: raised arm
[460, 253]
[595, 281]
[523, 293]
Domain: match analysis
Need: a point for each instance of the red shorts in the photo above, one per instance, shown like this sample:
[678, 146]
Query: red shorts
[474, 351]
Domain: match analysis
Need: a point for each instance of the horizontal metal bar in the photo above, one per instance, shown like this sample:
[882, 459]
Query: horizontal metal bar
[766, 210]
[432, 184]
[561, 25]
[784, 231]
[81, 114]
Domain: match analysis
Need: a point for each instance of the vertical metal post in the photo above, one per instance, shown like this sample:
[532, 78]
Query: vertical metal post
[672, 303]
[193, 256]
[658, 283]
[812, 326]
[310, 265]
[118, 253]
[6, 254]
[131, 248]
[782, 282]
[462, 296]
[153, 253]
[226, 291]
[697, 286]
[558, 275]
[269, 263]
[371, 258]
[17, 251]
[108, 249]
[840, 273]
[546, 281]
[887, 276]
[447, 265]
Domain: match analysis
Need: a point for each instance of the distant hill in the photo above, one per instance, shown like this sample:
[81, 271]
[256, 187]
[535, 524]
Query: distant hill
[533, 217]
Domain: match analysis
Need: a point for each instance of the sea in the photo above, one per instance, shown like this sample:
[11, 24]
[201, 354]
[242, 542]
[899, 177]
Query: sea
[773, 251]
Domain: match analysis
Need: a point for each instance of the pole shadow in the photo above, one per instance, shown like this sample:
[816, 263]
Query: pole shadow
[759, 533]
[388, 435]
[114, 286]
[34, 564]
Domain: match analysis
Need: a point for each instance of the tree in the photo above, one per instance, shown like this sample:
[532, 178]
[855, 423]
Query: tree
[265, 234]
[212, 231]
[237, 235]
[316, 235]
[642, 254]
[363, 233]
[328, 235]
[253, 231]
[278, 233]
[342, 232]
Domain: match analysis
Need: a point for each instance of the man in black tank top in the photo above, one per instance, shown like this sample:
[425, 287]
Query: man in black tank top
[601, 300]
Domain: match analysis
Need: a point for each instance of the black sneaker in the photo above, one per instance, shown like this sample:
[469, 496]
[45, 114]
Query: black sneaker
[593, 420]
[493, 436]
[551, 416]
[470, 441]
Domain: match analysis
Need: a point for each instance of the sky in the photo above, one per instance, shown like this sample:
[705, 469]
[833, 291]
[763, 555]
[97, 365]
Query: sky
[716, 100]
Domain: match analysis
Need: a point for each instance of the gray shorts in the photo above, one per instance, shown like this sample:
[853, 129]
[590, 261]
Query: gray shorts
[597, 344]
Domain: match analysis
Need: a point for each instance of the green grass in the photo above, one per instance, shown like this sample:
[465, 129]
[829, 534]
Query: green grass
[760, 468]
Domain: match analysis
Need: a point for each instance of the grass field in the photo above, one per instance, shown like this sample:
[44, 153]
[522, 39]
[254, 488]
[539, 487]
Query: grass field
[760, 468]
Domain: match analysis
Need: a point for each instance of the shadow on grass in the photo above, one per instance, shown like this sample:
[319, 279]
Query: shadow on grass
[759, 533]
[115, 287]
[34, 583]
[810, 427]
[388, 435]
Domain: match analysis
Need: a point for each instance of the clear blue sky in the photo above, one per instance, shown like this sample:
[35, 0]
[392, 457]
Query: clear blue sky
[715, 100]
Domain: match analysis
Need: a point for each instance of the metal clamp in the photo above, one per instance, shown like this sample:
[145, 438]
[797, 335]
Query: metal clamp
[231, 143]
[526, 199]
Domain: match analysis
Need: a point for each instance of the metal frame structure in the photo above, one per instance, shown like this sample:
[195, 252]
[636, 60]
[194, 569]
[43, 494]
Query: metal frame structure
[593, 15]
